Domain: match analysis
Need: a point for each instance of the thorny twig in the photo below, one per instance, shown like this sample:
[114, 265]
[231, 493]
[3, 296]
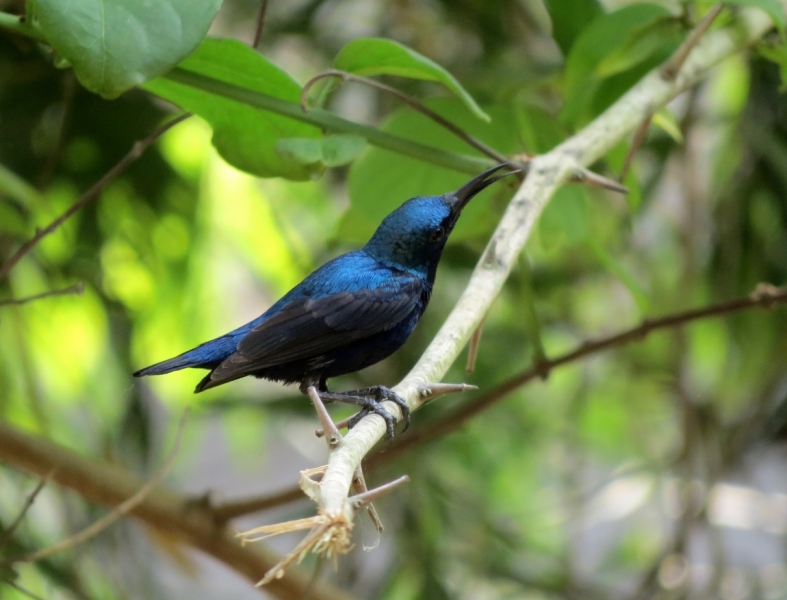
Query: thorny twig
[116, 513]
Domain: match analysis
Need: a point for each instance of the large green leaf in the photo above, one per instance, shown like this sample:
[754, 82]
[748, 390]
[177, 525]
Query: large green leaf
[381, 180]
[608, 36]
[569, 19]
[376, 56]
[245, 136]
[115, 45]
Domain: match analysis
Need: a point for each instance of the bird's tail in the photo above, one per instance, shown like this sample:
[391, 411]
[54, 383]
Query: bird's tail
[182, 361]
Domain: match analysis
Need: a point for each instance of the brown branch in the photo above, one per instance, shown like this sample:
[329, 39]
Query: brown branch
[671, 69]
[765, 296]
[260, 24]
[472, 348]
[136, 151]
[162, 509]
[117, 512]
[77, 289]
[413, 103]
[636, 142]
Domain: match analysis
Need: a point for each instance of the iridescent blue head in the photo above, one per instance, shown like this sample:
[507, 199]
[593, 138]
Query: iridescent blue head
[413, 236]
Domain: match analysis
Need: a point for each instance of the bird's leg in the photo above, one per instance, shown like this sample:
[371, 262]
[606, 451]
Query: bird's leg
[380, 393]
[370, 403]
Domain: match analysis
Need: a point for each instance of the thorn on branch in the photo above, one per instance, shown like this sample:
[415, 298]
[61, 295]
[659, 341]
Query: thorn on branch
[472, 349]
[429, 391]
[366, 497]
[359, 487]
[334, 438]
[636, 142]
[589, 178]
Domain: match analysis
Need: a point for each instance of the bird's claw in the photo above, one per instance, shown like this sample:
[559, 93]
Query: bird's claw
[371, 404]
[384, 393]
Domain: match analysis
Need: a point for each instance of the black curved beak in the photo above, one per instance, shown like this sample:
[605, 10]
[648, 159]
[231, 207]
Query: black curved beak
[459, 199]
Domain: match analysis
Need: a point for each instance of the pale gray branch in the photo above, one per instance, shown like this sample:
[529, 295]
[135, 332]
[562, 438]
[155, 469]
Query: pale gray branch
[546, 174]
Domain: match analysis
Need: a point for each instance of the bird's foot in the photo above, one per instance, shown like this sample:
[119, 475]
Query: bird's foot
[369, 400]
[381, 394]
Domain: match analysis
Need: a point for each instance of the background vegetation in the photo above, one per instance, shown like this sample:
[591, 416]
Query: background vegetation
[654, 470]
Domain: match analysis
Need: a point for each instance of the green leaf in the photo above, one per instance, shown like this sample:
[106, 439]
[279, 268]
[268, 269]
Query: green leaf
[606, 35]
[641, 44]
[376, 56]
[381, 180]
[622, 274]
[772, 7]
[341, 149]
[304, 151]
[115, 45]
[569, 19]
[245, 136]
[17, 188]
[665, 120]
[777, 54]
[330, 151]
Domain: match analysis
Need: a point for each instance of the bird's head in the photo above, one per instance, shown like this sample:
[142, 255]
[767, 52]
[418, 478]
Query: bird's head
[414, 235]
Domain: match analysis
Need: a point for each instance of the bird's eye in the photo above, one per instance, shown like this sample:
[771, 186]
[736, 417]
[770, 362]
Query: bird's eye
[437, 234]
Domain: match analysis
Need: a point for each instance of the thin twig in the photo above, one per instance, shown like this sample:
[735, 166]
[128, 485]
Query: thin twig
[136, 151]
[472, 347]
[765, 296]
[117, 512]
[77, 289]
[334, 438]
[636, 142]
[260, 24]
[359, 487]
[413, 103]
[8, 533]
[671, 69]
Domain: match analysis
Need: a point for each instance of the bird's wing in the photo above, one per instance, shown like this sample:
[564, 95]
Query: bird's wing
[307, 327]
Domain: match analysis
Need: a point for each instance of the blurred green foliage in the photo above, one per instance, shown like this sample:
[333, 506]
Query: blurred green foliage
[569, 488]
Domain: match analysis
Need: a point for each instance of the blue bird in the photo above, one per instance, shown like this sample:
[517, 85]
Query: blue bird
[350, 313]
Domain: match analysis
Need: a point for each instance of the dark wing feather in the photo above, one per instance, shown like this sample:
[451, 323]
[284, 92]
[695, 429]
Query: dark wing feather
[307, 327]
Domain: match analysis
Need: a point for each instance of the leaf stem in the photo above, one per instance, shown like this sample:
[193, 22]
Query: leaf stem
[410, 101]
[327, 120]
[21, 25]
